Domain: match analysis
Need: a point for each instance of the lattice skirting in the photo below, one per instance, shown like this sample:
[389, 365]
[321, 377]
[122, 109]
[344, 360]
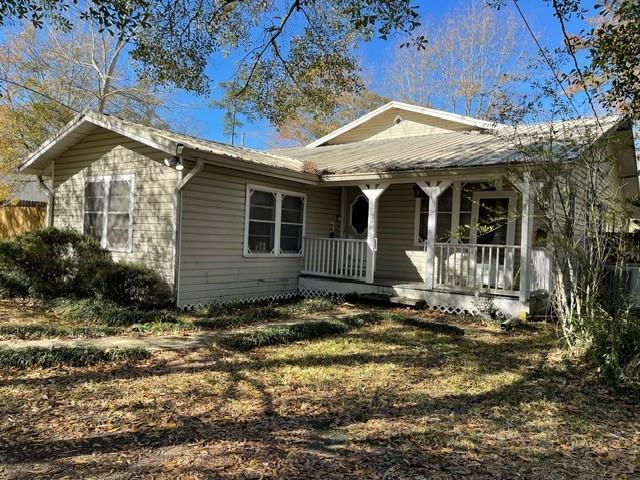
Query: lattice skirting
[267, 298]
[454, 304]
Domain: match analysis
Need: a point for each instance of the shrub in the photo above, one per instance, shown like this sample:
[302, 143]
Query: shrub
[225, 316]
[312, 305]
[68, 356]
[615, 346]
[131, 284]
[35, 331]
[108, 313]
[300, 331]
[49, 263]
[11, 285]
[159, 327]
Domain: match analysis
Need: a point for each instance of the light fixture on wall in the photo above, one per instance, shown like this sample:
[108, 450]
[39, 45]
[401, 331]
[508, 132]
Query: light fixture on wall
[174, 162]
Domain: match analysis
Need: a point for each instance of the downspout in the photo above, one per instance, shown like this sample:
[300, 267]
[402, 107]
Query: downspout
[50, 195]
[177, 254]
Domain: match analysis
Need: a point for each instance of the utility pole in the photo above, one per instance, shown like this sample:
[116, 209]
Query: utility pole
[233, 124]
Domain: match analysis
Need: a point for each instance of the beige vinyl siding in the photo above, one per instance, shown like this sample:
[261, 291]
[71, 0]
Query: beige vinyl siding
[107, 153]
[212, 265]
[397, 256]
[383, 127]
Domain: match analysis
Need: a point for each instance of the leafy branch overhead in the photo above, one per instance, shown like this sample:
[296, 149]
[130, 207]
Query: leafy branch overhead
[290, 54]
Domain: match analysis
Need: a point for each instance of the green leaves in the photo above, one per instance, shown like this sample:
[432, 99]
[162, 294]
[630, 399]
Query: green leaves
[291, 55]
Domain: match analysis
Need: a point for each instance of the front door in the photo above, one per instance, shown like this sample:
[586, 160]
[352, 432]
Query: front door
[493, 219]
[493, 223]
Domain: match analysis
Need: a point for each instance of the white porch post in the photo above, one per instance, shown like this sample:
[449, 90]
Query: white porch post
[526, 243]
[433, 190]
[372, 192]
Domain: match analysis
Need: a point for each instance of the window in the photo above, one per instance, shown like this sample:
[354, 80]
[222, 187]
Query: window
[360, 214]
[466, 207]
[443, 220]
[108, 211]
[274, 222]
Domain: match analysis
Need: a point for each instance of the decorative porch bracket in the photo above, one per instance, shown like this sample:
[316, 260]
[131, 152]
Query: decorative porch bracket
[433, 190]
[526, 243]
[372, 192]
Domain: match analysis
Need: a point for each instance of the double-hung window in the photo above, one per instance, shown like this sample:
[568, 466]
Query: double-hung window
[443, 217]
[274, 223]
[108, 211]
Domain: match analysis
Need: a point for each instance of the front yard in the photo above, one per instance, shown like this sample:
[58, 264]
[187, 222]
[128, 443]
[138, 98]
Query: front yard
[384, 400]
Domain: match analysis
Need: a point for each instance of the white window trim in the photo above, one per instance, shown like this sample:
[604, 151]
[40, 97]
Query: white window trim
[106, 180]
[279, 193]
[512, 196]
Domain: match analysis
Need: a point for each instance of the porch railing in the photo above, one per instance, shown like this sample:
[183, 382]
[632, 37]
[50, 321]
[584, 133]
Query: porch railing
[491, 268]
[335, 257]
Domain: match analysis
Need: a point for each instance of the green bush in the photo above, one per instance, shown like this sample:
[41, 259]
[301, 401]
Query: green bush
[108, 313]
[131, 285]
[11, 285]
[67, 356]
[234, 315]
[35, 331]
[615, 346]
[284, 334]
[311, 305]
[49, 263]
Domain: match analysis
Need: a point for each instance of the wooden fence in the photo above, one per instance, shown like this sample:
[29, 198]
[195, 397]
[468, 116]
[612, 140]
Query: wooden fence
[17, 219]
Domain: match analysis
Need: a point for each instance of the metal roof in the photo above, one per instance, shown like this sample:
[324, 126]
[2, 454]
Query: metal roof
[425, 152]
[436, 151]
[164, 140]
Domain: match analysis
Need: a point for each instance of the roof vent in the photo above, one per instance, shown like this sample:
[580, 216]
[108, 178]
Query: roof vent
[397, 120]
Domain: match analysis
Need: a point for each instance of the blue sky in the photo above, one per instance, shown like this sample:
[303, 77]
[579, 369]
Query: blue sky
[207, 122]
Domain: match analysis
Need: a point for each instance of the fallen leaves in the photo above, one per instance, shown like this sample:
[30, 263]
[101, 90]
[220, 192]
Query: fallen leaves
[383, 402]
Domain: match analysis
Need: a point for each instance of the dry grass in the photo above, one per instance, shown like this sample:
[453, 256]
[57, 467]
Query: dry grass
[383, 401]
[33, 319]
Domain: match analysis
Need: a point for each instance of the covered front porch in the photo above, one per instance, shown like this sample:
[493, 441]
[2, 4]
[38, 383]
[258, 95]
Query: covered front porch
[439, 240]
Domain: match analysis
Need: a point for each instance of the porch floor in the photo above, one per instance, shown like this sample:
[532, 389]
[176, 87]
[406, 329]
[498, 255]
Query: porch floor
[446, 300]
[409, 284]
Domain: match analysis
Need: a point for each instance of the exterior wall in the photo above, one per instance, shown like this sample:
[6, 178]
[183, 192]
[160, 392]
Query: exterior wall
[107, 153]
[212, 265]
[383, 127]
[17, 219]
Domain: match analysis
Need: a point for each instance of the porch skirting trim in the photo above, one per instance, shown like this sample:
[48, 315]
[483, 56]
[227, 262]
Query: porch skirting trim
[444, 302]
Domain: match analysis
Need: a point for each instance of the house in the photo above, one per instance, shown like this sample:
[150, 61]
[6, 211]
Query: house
[24, 207]
[368, 208]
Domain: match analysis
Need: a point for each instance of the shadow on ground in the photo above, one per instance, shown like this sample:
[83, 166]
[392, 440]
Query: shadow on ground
[382, 402]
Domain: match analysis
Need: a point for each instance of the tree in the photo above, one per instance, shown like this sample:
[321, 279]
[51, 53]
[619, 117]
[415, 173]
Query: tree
[47, 77]
[291, 55]
[473, 64]
[613, 72]
[306, 127]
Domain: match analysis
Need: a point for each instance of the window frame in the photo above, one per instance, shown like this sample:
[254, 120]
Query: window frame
[279, 194]
[353, 229]
[455, 207]
[512, 213]
[106, 181]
